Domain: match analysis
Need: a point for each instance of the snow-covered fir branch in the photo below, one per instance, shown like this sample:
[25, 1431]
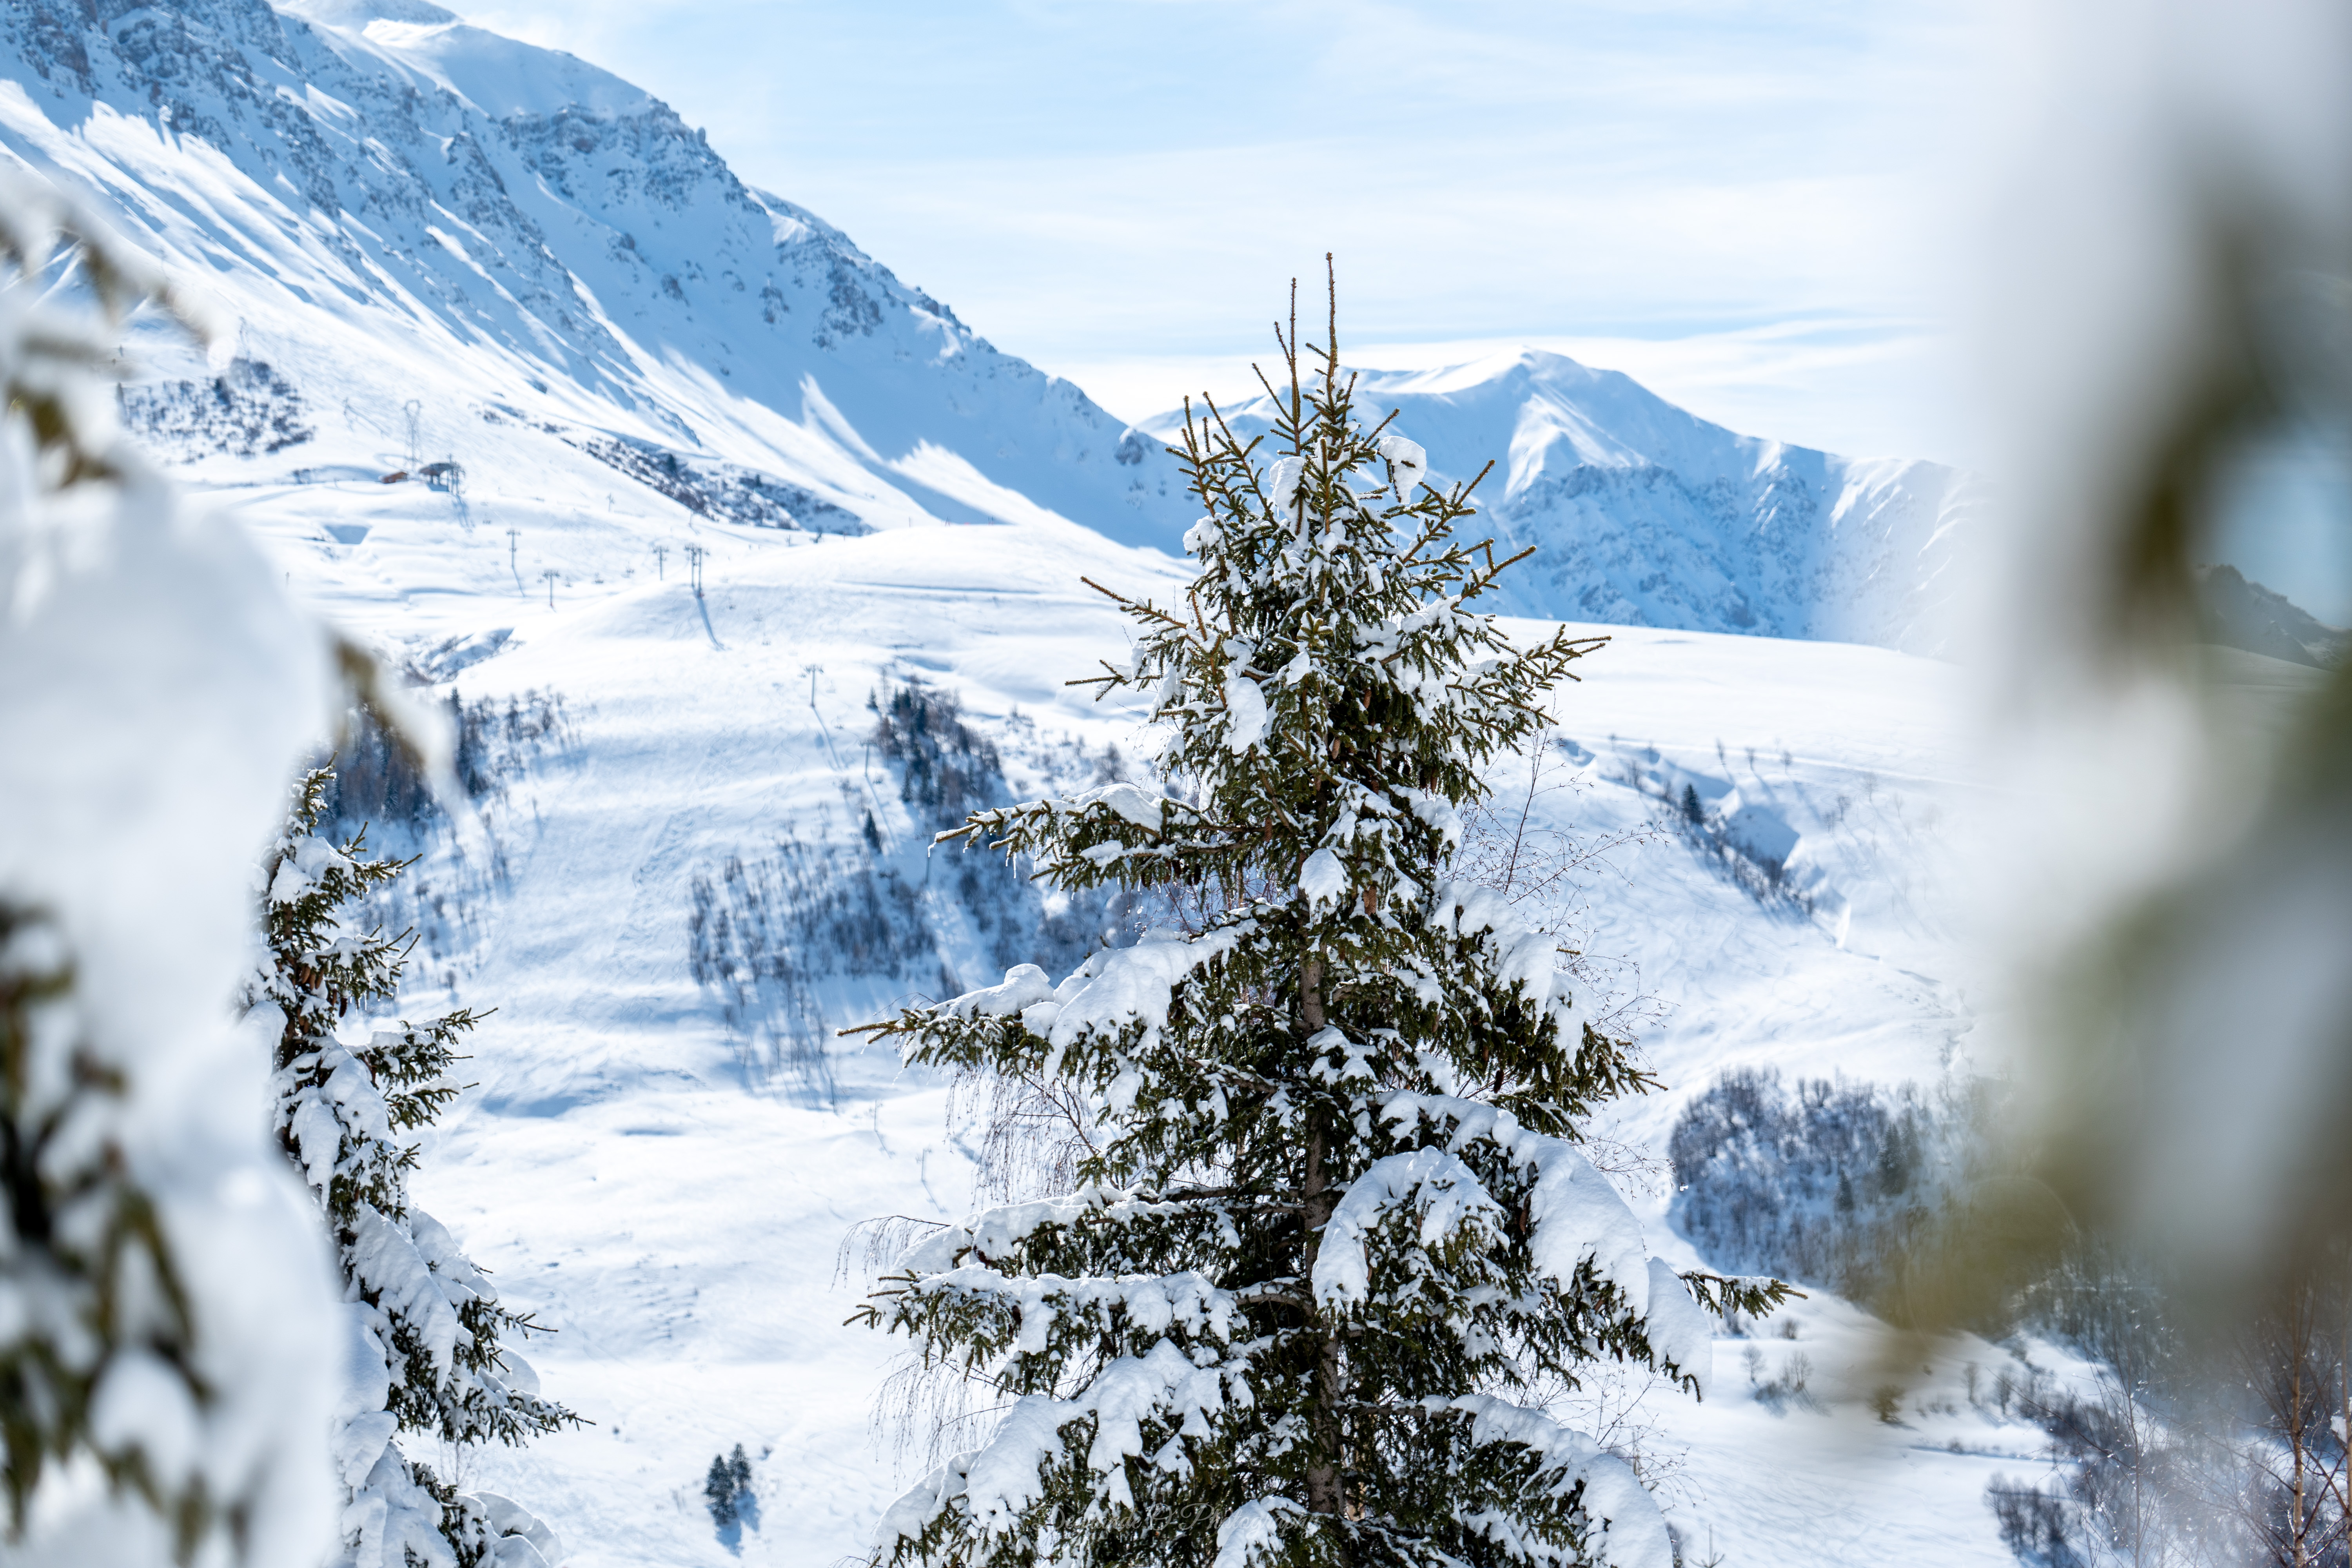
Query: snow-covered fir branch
[425, 1328]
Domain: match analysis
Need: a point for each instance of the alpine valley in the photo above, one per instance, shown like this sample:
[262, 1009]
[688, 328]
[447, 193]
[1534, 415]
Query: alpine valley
[746, 567]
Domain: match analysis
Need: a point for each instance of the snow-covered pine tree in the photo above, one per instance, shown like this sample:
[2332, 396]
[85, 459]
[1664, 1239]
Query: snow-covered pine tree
[1334, 1234]
[727, 1487]
[426, 1327]
[718, 1491]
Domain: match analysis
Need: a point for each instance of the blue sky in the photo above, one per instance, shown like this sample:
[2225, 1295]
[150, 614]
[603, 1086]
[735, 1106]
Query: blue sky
[1745, 205]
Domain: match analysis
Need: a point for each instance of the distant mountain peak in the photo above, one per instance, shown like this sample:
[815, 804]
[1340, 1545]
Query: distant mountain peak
[403, 206]
[2235, 611]
[400, 206]
[1642, 513]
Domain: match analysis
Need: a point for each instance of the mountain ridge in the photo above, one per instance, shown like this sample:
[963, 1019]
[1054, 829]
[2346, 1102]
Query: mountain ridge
[399, 205]
[2235, 611]
[585, 257]
[1642, 514]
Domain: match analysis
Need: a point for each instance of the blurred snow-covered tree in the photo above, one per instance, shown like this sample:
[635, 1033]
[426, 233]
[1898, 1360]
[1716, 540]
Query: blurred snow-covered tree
[1332, 1222]
[2171, 277]
[166, 1349]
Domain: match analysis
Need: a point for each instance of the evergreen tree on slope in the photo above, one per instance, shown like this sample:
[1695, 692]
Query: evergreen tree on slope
[1334, 1229]
[426, 1330]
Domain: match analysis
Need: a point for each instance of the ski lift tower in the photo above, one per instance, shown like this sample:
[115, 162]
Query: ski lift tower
[415, 412]
[694, 554]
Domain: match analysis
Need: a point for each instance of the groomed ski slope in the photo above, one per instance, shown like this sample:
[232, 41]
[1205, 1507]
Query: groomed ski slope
[678, 1218]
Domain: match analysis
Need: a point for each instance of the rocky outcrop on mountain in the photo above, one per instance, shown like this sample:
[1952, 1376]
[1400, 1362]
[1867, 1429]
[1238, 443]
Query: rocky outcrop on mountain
[722, 489]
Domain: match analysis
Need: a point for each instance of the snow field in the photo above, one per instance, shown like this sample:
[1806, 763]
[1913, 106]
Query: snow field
[1829, 1483]
[678, 1219]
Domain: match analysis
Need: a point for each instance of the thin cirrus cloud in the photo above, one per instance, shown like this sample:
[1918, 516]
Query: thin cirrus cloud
[1740, 204]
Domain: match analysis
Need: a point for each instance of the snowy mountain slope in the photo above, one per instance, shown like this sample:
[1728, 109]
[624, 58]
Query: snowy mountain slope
[2236, 613]
[1644, 514]
[637, 1177]
[394, 204]
[650, 1180]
